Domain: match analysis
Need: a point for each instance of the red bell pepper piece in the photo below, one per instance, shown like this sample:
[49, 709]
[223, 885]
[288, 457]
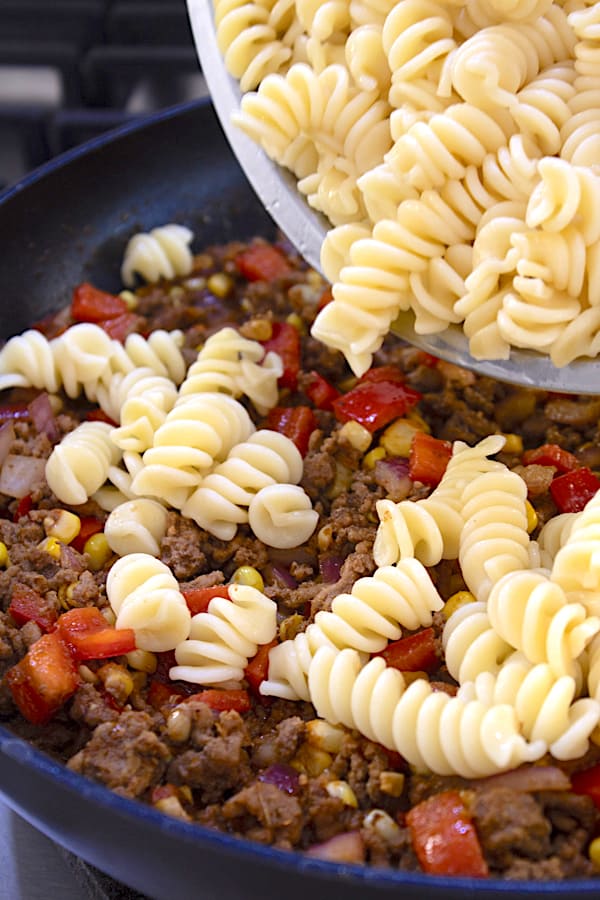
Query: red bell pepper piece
[90, 525]
[428, 458]
[375, 403]
[444, 837]
[258, 667]
[120, 326]
[43, 680]
[223, 700]
[551, 455]
[587, 782]
[26, 605]
[383, 373]
[296, 422]
[285, 341]
[262, 262]
[572, 490]
[197, 599]
[161, 694]
[415, 653]
[89, 636]
[319, 391]
[23, 507]
[90, 304]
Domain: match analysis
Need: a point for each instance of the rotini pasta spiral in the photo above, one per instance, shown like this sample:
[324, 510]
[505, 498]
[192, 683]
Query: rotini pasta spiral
[145, 596]
[576, 565]
[553, 535]
[366, 60]
[119, 479]
[416, 35]
[431, 730]
[593, 667]
[222, 499]
[140, 401]
[565, 195]
[137, 526]
[373, 613]
[471, 644]
[281, 515]
[249, 40]
[162, 253]
[488, 12]
[407, 530]
[322, 19]
[542, 106]
[79, 465]
[160, 351]
[224, 638]
[542, 702]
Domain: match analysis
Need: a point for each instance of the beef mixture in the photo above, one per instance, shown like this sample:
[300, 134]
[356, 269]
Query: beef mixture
[263, 768]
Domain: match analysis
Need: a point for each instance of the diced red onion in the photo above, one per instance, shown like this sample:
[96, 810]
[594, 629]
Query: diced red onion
[42, 415]
[285, 557]
[530, 778]
[282, 776]
[285, 577]
[330, 569]
[348, 847]
[392, 474]
[7, 436]
[20, 473]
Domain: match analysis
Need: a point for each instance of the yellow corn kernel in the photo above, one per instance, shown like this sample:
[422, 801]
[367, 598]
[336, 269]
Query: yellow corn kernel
[219, 284]
[64, 526]
[250, 576]
[357, 435]
[179, 724]
[455, 601]
[323, 736]
[414, 417]
[311, 760]
[86, 674]
[325, 537]
[257, 329]
[382, 823]
[594, 851]
[532, 517]
[116, 680]
[296, 320]
[342, 481]
[142, 661]
[391, 783]
[130, 299]
[98, 550]
[172, 807]
[343, 791]
[514, 444]
[373, 456]
[51, 546]
[397, 437]
[410, 676]
[4, 557]
[65, 595]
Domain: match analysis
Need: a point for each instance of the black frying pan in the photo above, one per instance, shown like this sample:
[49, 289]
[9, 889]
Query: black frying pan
[66, 223]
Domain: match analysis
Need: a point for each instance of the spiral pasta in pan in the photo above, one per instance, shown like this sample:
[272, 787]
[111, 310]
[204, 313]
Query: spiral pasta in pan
[162, 253]
[576, 564]
[79, 465]
[136, 526]
[281, 515]
[471, 644]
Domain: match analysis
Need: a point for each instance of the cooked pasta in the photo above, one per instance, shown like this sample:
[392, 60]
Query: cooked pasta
[430, 729]
[553, 535]
[145, 596]
[136, 526]
[576, 564]
[160, 351]
[223, 639]
[161, 253]
[416, 35]
[78, 466]
[323, 19]
[119, 479]
[222, 499]
[281, 515]
[140, 401]
[471, 644]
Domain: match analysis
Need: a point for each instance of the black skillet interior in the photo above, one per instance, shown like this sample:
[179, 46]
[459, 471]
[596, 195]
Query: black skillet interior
[66, 223]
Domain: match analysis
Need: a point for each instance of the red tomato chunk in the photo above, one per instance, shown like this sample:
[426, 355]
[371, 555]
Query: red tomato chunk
[197, 599]
[444, 838]
[551, 455]
[262, 262]
[573, 490]
[44, 679]
[415, 653]
[90, 304]
[428, 458]
[373, 404]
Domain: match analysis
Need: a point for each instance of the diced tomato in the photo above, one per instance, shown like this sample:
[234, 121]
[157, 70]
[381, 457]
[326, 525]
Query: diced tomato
[587, 782]
[296, 422]
[43, 680]
[90, 304]
[121, 326]
[375, 403]
[238, 700]
[551, 455]
[415, 653]
[319, 391]
[26, 605]
[325, 298]
[23, 507]
[285, 341]
[262, 262]
[572, 490]
[98, 415]
[90, 525]
[444, 837]
[257, 669]
[383, 373]
[89, 636]
[161, 694]
[428, 458]
[197, 599]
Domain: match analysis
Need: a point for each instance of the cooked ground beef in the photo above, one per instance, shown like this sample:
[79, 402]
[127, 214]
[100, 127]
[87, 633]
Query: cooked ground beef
[275, 773]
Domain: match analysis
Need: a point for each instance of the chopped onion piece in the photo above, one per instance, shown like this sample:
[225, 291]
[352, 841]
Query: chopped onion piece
[529, 779]
[282, 776]
[7, 436]
[330, 569]
[348, 847]
[42, 415]
[19, 474]
[285, 577]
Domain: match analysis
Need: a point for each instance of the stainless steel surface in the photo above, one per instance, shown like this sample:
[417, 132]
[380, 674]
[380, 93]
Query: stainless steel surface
[306, 228]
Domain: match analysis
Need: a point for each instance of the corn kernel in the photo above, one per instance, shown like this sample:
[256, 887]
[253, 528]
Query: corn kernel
[98, 550]
[455, 601]
[257, 329]
[410, 676]
[311, 761]
[4, 557]
[532, 517]
[116, 680]
[594, 851]
[64, 526]
[86, 674]
[324, 736]
[342, 481]
[179, 724]
[397, 437]
[391, 783]
[343, 792]
[172, 807]
[109, 616]
[514, 444]
[65, 595]
[130, 299]
[250, 576]
[357, 435]
[373, 456]
[418, 420]
[295, 320]
[51, 546]
[219, 284]
[142, 661]
[382, 823]
[325, 537]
